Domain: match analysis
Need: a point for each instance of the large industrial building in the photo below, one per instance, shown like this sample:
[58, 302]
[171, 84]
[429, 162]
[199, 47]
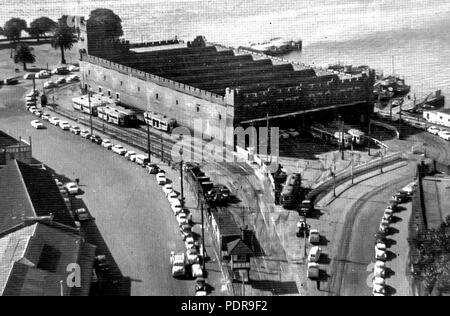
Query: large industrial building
[224, 87]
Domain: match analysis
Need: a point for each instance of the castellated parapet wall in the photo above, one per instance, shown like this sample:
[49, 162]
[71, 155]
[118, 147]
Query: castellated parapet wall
[148, 92]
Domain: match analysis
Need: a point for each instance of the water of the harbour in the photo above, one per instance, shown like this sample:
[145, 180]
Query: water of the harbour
[415, 32]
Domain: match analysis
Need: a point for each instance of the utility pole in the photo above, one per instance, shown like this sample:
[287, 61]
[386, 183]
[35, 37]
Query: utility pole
[351, 166]
[203, 232]
[162, 147]
[148, 144]
[34, 91]
[90, 111]
[181, 177]
[400, 118]
[342, 138]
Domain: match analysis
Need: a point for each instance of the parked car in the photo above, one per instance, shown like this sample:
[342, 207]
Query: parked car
[82, 215]
[95, 139]
[161, 178]
[131, 155]
[65, 126]
[196, 270]
[400, 197]
[106, 143]
[29, 76]
[72, 78]
[380, 252]
[182, 219]
[75, 129]
[10, 81]
[313, 271]
[410, 188]
[73, 68]
[189, 242]
[314, 236]
[378, 290]
[172, 195]
[32, 109]
[43, 74]
[49, 85]
[45, 116]
[314, 254]
[433, 130]
[60, 80]
[72, 188]
[37, 125]
[119, 149]
[167, 188]
[54, 120]
[85, 133]
[38, 113]
[60, 71]
[152, 169]
[444, 135]
[176, 207]
[186, 230]
[192, 256]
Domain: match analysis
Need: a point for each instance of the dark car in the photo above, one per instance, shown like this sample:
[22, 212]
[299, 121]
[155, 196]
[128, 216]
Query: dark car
[11, 81]
[82, 215]
[400, 197]
[96, 139]
[153, 169]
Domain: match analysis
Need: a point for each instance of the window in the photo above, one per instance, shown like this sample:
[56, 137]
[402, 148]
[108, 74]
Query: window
[198, 107]
[89, 72]
[109, 93]
[157, 96]
[104, 77]
[176, 102]
[220, 116]
[99, 89]
[117, 96]
[139, 89]
[121, 83]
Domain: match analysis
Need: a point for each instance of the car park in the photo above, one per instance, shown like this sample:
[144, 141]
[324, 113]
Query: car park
[131, 155]
[314, 254]
[161, 178]
[37, 125]
[119, 149]
[65, 126]
[72, 188]
[106, 143]
[84, 133]
[433, 130]
[444, 134]
[54, 120]
[95, 139]
[82, 215]
[45, 116]
[75, 129]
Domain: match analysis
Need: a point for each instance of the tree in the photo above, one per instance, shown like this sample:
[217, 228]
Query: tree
[1, 30]
[104, 23]
[23, 54]
[62, 39]
[13, 28]
[41, 26]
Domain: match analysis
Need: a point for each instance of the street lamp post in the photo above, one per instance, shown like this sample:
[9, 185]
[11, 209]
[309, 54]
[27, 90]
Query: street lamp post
[90, 111]
[351, 165]
[181, 177]
[148, 144]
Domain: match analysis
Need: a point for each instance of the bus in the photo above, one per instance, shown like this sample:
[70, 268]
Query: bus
[331, 135]
[82, 104]
[290, 195]
[159, 121]
[117, 115]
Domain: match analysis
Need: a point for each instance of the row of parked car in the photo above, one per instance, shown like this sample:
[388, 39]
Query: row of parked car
[441, 132]
[402, 196]
[44, 74]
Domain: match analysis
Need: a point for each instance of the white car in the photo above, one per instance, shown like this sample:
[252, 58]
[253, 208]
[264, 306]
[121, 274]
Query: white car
[167, 188]
[28, 76]
[45, 116]
[37, 125]
[118, 149]
[106, 143]
[192, 256]
[161, 178]
[380, 252]
[384, 227]
[172, 196]
[182, 219]
[314, 254]
[43, 74]
[65, 126]
[72, 78]
[32, 109]
[49, 85]
[54, 120]
[197, 271]
[378, 290]
[189, 242]
[33, 93]
[379, 281]
[84, 133]
[75, 129]
[72, 188]
[433, 130]
[444, 135]
[131, 155]
[73, 68]
[175, 205]
[379, 272]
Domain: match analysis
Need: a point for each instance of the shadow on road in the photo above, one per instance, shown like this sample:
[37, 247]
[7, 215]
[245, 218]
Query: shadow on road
[275, 287]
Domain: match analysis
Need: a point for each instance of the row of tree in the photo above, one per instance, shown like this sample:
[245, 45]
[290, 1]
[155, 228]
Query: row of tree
[104, 21]
[433, 264]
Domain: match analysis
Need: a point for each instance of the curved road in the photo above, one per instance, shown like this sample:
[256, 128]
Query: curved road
[364, 206]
